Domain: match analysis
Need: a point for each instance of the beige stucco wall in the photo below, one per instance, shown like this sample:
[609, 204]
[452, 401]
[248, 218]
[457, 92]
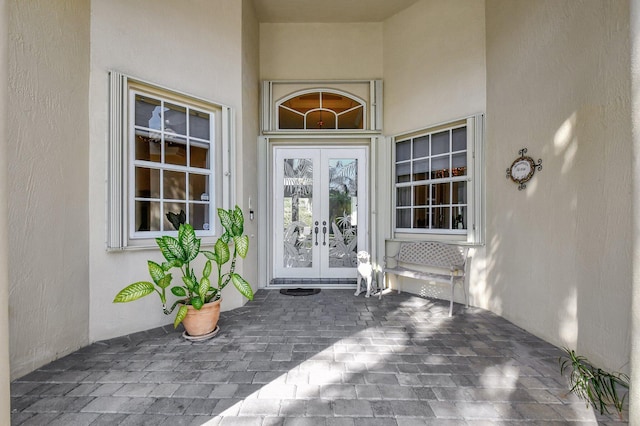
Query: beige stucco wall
[47, 180]
[247, 161]
[634, 398]
[320, 51]
[434, 69]
[5, 400]
[195, 50]
[559, 253]
[434, 72]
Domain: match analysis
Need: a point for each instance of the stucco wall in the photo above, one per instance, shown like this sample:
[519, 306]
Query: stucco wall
[5, 400]
[634, 397]
[434, 64]
[195, 50]
[320, 51]
[434, 72]
[247, 162]
[47, 180]
[559, 253]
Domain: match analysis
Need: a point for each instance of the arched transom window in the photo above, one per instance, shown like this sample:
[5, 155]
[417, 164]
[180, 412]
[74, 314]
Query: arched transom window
[321, 110]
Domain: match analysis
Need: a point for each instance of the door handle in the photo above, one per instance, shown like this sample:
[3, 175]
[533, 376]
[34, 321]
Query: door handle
[316, 231]
[324, 232]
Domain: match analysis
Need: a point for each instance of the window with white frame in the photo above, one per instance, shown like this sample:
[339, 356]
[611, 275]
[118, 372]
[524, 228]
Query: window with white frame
[165, 157]
[438, 180]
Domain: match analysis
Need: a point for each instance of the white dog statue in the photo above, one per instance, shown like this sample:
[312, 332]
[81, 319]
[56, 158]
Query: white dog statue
[365, 272]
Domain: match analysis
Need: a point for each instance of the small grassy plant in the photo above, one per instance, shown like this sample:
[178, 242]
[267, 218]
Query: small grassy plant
[597, 387]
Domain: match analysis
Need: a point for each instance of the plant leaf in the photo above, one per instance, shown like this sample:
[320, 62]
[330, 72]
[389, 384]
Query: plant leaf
[188, 241]
[238, 221]
[196, 302]
[191, 284]
[178, 291]
[222, 251]
[174, 247]
[165, 281]
[204, 287]
[182, 312]
[207, 269]
[134, 292]
[175, 263]
[226, 219]
[242, 245]
[242, 285]
[156, 271]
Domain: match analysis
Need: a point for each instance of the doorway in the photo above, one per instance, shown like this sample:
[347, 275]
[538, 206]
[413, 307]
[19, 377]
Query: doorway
[320, 211]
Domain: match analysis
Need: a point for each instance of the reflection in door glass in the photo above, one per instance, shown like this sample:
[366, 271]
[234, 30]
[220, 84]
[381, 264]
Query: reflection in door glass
[343, 212]
[298, 197]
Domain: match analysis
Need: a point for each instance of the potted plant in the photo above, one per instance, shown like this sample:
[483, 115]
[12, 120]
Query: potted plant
[199, 298]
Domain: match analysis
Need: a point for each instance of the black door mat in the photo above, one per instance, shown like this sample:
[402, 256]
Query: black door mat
[299, 291]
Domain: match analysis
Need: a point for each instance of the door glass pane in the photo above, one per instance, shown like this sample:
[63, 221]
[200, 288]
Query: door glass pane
[343, 212]
[298, 198]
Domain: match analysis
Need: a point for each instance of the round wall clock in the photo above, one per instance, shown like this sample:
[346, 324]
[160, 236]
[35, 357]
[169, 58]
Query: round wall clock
[523, 168]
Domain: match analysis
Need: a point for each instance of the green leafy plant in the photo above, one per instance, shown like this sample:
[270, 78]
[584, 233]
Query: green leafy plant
[180, 252]
[597, 387]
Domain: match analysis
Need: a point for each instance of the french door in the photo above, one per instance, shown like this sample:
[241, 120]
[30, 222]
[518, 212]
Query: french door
[320, 211]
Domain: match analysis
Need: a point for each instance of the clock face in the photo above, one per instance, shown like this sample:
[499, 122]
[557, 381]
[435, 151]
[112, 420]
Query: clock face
[522, 169]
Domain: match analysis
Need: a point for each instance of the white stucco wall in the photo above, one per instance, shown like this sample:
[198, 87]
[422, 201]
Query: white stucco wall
[434, 72]
[320, 51]
[5, 400]
[247, 161]
[434, 64]
[559, 253]
[47, 180]
[634, 397]
[196, 50]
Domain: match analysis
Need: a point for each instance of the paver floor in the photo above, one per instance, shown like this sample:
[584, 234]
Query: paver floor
[327, 359]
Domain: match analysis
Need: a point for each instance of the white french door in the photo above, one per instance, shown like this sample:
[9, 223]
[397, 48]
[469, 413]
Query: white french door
[320, 211]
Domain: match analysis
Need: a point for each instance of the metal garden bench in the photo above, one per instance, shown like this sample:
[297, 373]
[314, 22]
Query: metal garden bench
[430, 261]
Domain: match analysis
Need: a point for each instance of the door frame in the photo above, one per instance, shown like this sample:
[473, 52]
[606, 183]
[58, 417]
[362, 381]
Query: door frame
[320, 270]
[265, 200]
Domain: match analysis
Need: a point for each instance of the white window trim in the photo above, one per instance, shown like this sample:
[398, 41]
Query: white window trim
[373, 108]
[118, 187]
[361, 104]
[474, 234]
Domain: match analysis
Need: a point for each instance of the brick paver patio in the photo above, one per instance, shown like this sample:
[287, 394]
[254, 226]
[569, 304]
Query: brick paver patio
[327, 359]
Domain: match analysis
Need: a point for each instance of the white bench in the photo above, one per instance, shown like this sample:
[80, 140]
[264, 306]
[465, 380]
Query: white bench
[430, 261]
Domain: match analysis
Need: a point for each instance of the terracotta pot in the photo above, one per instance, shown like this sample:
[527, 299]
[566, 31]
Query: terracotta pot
[203, 321]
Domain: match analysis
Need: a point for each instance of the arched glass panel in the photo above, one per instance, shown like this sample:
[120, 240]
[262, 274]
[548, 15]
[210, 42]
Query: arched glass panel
[321, 119]
[321, 110]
